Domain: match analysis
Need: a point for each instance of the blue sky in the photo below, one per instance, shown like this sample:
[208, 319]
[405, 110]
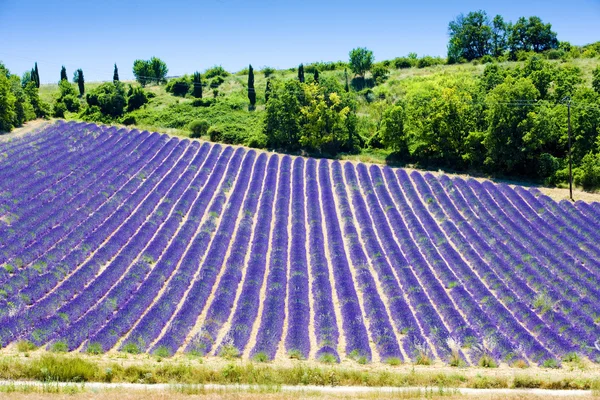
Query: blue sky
[194, 35]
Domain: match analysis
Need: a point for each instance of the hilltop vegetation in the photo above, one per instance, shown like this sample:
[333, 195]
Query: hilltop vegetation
[499, 110]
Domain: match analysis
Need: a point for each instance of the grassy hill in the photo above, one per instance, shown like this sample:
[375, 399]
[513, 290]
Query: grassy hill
[234, 101]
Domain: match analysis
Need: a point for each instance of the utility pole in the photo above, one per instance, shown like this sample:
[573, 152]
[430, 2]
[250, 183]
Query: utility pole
[567, 100]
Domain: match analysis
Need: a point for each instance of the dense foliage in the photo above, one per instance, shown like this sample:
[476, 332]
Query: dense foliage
[19, 99]
[153, 70]
[475, 36]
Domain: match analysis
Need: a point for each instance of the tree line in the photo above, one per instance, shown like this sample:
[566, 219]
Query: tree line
[474, 36]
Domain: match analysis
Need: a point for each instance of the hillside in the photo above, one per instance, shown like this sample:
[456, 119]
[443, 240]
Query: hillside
[139, 242]
[501, 120]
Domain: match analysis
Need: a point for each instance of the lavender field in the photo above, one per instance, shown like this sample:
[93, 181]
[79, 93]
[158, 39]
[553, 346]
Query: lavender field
[113, 240]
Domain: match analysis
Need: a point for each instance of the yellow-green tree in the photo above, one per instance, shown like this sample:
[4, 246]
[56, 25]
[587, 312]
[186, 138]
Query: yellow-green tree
[324, 118]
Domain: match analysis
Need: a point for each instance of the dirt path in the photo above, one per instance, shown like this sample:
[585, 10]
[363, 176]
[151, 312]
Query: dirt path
[32, 126]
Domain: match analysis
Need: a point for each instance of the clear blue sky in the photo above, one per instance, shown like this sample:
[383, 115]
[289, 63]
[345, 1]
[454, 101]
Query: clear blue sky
[194, 35]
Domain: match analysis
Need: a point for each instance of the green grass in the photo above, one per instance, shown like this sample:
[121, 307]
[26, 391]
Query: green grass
[51, 367]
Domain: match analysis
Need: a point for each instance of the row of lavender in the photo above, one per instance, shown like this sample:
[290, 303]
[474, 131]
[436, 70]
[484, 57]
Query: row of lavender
[123, 239]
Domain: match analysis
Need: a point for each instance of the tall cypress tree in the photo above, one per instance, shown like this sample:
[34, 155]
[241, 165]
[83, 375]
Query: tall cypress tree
[347, 87]
[251, 91]
[37, 76]
[116, 74]
[316, 75]
[63, 74]
[268, 91]
[197, 90]
[301, 73]
[80, 82]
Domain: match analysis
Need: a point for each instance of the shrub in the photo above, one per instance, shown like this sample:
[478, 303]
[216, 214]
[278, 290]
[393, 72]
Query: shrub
[59, 110]
[24, 346]
[179, 86]
[109, 98]
[555, 54]
[393, 361]
[215, 133]
[380, 73]
[199, 128]
[587, 174]
[128, 120]
[486, 361]
[137, 98]
[328, 358]
[162, 351]
[131, 348]
[403, 62]
[428, 61]
[203, 102]
[217, 70]
[94, 348]
[59, 347]
[487, 59]
[547, 165]
[63, 369]
[261, 357]
[268, 71]
[71, 102]
[550, 363]
[229, 351]
[216, 82]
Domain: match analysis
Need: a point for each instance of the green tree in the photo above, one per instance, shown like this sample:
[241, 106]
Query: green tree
[492, 76]
[380, 73]
[159, 69]
[7, 105]
[324, 119]
[251, 90]
[63, 74]
[37, 76]
[567, 79]
[26, 78]
[499, 36]
[301, 73]
[136, 98]
[23, 109]
[179, 86]
[392, 129]
[470, 36]
[116, 73]
[68, 96]
[507, 125]
[439, 117]
[197, 85]
[361, 60]
[596, 79]
[40, 108]
[585, 122]
[346, 84]
[531, 35]
[282, 120]
[587, 174]
[540, 72]
[109, 98]
[540, 35]
[142, 71]
[80, 82]
[267, 91]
